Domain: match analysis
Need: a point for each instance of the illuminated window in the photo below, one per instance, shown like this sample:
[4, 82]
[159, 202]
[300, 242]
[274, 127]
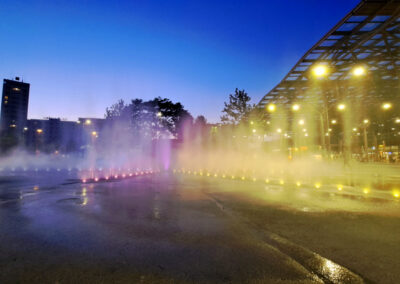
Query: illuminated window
[16, 89]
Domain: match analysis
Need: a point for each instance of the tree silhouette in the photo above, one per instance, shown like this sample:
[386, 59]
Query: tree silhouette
[237, 109]
[155, 118]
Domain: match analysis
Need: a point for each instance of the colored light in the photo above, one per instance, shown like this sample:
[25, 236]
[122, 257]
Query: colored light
[301, 122]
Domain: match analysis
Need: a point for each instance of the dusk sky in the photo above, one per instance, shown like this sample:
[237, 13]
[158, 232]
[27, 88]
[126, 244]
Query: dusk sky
[82, 56]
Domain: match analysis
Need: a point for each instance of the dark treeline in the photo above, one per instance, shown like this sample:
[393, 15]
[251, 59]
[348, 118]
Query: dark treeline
[159, 118]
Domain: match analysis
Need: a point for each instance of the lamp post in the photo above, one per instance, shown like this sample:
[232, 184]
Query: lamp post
[39, 133]
[320, 72]
[365, 124]
[386, 107]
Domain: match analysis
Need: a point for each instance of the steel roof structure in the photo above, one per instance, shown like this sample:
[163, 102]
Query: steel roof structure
[369, 35]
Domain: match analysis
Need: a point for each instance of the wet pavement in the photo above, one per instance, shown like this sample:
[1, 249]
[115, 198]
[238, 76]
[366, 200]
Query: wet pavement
[159, 228]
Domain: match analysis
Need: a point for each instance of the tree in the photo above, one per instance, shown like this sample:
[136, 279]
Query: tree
[200, 121]
[155, 118]
[237, 109]
[117, 111]
[200, 133]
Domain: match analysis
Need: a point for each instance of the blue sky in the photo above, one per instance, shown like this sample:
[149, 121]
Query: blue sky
[82, 56]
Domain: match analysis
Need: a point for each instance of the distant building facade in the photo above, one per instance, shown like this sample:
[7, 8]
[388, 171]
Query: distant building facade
[41, 135]
[14, 106]
[53, 134]
[56, 135]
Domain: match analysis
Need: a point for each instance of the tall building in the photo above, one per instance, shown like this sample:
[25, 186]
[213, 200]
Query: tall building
[14, 106]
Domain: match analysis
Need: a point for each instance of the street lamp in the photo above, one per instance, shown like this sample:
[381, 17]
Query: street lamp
[397, 120]
[320, 70]
[271, 107]
[295, 107]
[358, 71]
[386, 106]
[366, 123]
[341, 107]
[333, 121]
[301, 122]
